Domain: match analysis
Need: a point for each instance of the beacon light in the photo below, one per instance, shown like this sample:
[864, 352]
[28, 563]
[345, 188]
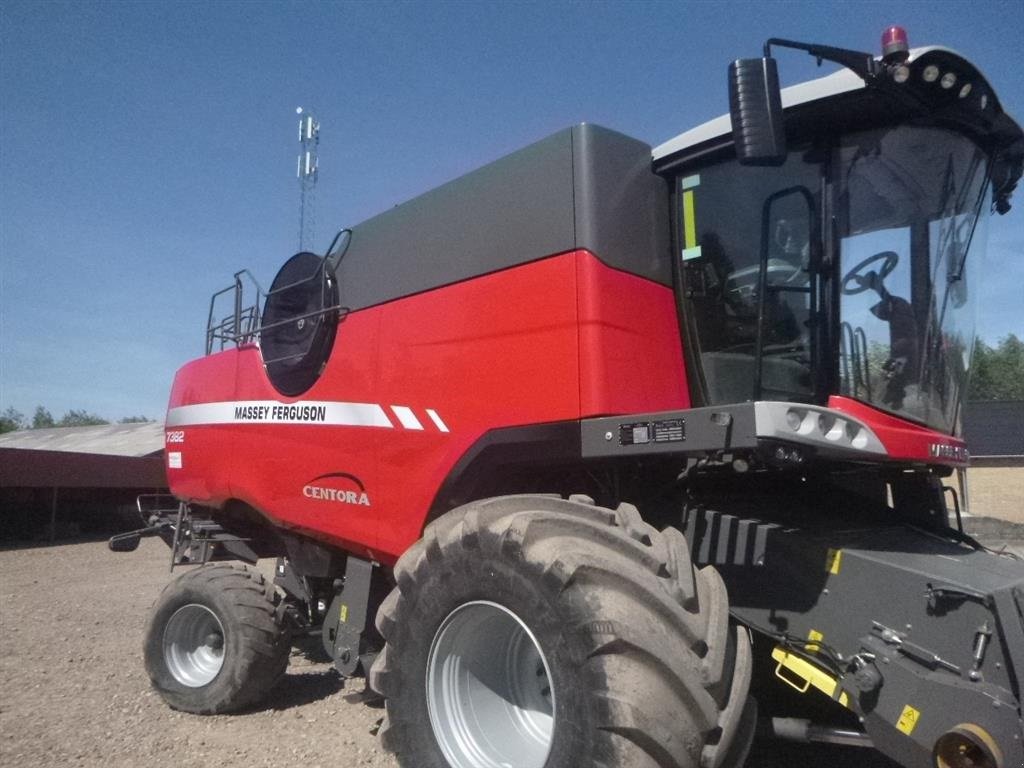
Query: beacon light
[894, 44]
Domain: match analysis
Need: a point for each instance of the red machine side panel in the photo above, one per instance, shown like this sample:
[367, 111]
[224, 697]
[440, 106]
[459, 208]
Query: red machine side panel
[197, 465]
[412, 384]
[555, 340]
[242, 441]
[301, 473]
[500, 350]
[631, 356]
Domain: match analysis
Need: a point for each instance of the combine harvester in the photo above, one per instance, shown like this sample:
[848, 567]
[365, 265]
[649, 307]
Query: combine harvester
[578, 456]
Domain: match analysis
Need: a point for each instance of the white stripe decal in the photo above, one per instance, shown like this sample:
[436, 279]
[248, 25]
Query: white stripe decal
[274, 412]
[407, 417]
[437, 420]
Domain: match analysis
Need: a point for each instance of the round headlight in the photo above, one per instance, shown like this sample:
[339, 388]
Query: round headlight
[794, 419]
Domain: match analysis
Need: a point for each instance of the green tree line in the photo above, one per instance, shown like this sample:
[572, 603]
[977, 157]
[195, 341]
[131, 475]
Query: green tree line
[11, 419]
[997, 373]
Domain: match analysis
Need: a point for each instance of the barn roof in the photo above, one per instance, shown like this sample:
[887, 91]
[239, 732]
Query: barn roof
[105, 456]
[145, 439]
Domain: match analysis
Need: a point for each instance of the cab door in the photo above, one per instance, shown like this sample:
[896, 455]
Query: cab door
[748, 252]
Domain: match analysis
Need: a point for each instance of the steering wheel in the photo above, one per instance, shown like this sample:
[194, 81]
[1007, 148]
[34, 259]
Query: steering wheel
[854, 282]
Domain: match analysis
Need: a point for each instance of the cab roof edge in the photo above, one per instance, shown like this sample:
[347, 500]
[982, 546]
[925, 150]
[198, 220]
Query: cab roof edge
[833, 84]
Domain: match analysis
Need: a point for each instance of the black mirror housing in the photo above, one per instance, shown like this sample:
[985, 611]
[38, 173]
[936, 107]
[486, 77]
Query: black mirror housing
[755, 106]
[125, 542]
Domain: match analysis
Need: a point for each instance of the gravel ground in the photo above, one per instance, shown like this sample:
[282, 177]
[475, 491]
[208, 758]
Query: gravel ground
[73, 691]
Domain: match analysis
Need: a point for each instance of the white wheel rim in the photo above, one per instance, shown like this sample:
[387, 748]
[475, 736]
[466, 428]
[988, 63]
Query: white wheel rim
[194, 645]
[489, 693]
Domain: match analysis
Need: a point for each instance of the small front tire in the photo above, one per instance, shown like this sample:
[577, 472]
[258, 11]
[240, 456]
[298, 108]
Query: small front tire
[215, 642]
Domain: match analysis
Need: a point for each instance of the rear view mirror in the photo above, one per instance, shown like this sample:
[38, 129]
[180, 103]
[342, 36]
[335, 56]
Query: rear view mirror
[125, 542]
[755, 106]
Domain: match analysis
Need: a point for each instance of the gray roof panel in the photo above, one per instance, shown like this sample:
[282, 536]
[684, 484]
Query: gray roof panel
[106, 439]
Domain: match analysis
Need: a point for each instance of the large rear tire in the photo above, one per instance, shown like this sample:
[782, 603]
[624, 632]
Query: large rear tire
[215, 642]
[537, 632]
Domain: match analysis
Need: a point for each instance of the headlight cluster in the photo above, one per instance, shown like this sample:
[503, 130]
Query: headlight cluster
[939, 81]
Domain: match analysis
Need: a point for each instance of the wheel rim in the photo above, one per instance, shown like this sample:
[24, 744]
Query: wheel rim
[489, 694]
[194, 645]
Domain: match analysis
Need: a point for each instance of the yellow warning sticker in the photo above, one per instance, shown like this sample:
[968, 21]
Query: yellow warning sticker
[343, 615]
[908, 720]
[814, 636]
[689, 221]
[833, 561]
[690, 248]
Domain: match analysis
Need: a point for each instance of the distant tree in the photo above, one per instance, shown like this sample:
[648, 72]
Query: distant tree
[134, 420]
[10, 420]
[75, 418]
[42, 418]
[998, 373]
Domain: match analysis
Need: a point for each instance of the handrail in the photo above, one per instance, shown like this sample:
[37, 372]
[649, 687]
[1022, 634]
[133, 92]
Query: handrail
[845, 363]
[762, 277]
[853, 360]
[863, 375]
[244, 324]
[342, 313]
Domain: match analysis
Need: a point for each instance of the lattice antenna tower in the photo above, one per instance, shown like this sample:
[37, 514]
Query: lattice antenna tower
[307, 171]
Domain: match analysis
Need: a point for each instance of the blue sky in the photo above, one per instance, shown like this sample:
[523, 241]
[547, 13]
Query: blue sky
[147, 150]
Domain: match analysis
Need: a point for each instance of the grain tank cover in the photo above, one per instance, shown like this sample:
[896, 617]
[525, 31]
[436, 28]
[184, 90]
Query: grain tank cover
[583, 187]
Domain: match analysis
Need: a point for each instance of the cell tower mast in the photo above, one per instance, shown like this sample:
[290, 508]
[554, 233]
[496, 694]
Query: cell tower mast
[306, 170]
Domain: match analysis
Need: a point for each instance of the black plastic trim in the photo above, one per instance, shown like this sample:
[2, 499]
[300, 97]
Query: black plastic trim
[585, 187]
[505, 451]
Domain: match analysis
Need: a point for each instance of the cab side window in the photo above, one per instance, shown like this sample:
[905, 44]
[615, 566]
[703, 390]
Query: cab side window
[729, 215]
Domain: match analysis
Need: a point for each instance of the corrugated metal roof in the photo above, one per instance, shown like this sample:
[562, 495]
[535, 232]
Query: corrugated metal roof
[105, 440]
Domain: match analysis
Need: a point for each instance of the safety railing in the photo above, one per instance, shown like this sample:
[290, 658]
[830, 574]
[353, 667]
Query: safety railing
[243, 324]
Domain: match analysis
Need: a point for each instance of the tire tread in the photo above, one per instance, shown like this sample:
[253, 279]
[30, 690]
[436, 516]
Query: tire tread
[658, 639]
[251, 611]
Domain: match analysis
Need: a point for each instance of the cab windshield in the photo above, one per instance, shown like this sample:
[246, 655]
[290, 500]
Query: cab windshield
[911, 236]
[891, 314]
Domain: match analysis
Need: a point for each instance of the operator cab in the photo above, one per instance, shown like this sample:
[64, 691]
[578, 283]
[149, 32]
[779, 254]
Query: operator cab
[844, 264]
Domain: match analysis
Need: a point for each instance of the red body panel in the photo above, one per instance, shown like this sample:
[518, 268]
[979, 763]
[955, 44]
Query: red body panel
[208, 379]
[554, 340]
[631, 359]
[903, 440]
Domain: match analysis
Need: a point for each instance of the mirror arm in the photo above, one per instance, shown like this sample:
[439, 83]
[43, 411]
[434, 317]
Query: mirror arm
[864, 64]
